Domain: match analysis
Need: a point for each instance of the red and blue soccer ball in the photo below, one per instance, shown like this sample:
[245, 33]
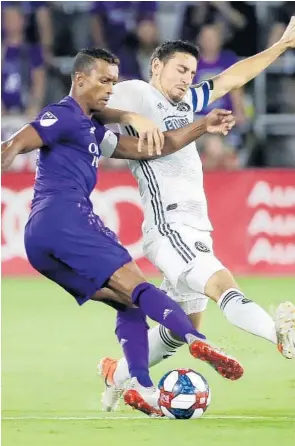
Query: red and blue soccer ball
[184, 394]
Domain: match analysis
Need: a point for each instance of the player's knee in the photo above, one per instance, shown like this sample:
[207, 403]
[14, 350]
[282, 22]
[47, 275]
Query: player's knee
[126, 279]
[218, 283]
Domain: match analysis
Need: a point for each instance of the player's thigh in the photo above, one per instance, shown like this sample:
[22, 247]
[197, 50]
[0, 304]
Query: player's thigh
[183, 250]
[54, 269]
[204, 265]
[170, 254]
[76, 250]
[95, 255]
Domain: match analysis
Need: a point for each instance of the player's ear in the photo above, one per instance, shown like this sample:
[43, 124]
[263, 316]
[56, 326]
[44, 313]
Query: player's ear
[79, 78]
[156, 66]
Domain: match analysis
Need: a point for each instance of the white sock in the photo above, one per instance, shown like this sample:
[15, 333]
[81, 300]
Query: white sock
[161, 346]
[247, 315]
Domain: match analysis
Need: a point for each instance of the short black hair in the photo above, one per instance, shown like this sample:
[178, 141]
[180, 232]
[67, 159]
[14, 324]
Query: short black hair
[85, 59]
[169, 48]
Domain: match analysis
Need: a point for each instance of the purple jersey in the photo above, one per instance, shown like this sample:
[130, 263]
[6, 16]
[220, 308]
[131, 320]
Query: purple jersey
[207, 70]
[68, 161]
[64, 239]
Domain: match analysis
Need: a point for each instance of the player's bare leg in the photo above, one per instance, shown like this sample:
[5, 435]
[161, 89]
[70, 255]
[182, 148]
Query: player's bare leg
[246, 314]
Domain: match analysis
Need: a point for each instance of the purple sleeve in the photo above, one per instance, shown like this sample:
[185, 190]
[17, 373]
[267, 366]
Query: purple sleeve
[36, 56]
[55, 123]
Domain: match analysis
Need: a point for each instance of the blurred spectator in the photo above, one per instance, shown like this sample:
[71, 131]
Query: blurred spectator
[216, 155]
[236, 20]
[38, 24]
[196, 15]
[213, 61]
[135, 58]
[23, 76]
[239, 25]
[282, 16]
[71, 26]
[112, 22]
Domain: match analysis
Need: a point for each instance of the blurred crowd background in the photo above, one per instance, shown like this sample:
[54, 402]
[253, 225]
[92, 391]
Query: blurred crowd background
[40, 39]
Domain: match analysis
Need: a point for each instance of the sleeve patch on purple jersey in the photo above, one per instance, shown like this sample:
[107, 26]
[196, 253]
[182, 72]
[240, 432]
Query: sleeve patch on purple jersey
[48, 119]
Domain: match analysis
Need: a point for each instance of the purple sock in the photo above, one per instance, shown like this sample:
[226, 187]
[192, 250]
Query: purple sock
[132, 333]
[159, 307]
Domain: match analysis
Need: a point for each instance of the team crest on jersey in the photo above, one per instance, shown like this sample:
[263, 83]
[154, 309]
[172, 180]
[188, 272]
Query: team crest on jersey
[183, 106]
[48, 119]
[202, 247]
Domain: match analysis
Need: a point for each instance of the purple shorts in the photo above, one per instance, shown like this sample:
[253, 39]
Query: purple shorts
[66, 242]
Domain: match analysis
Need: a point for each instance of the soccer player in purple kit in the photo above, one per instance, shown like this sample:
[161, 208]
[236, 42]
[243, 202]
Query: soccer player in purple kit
[66, 242]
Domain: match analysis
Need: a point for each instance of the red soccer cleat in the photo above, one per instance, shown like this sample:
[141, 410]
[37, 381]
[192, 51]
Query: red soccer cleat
[224, 364]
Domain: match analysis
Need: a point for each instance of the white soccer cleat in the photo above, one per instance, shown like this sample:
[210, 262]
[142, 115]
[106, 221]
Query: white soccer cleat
[285, 327]
[142, 398]
[111, 395]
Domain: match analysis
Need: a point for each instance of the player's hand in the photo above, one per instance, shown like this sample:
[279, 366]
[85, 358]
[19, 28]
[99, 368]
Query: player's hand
[149, 132]
[288, 38]
[219, 121]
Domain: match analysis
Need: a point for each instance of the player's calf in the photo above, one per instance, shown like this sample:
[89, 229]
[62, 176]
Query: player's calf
[237, 308]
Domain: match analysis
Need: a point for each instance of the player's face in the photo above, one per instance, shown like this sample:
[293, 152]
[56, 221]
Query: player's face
[99, 84]
[176, 75]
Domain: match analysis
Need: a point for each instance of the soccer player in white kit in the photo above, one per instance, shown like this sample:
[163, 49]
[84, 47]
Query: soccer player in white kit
[177, 229]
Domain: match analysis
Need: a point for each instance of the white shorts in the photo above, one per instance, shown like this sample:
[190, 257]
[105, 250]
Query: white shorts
[183, 249]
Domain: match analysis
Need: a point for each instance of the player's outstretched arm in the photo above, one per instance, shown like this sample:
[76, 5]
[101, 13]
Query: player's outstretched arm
[23, 141]
[138, 122]
[242, 72]
[217, 121]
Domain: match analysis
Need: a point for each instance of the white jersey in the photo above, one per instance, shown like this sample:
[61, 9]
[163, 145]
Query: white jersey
[171, 188]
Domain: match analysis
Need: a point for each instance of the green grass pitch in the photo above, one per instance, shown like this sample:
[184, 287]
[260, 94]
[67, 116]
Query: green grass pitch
[50, 348]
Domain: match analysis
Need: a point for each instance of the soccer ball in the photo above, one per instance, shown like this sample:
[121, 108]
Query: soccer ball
[184, 394]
